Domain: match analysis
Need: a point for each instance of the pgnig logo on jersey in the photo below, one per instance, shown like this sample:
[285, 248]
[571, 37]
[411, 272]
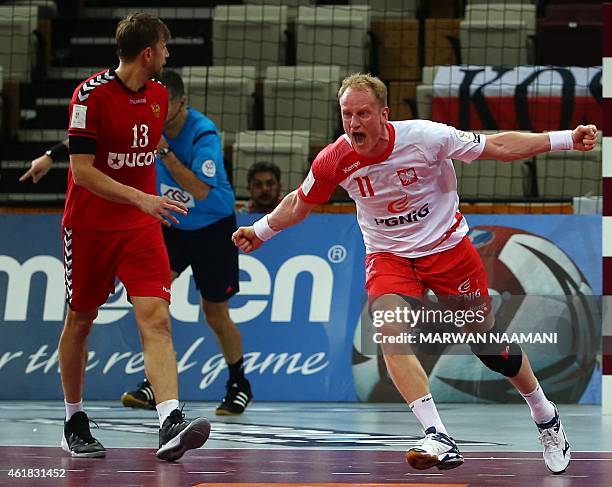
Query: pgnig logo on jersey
[116, 160]
[410, 217]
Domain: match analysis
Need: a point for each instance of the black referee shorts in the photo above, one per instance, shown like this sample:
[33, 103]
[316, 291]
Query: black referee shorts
[212, 255]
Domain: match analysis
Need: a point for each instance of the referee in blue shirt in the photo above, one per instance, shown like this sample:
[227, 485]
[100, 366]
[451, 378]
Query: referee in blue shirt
[190, 169]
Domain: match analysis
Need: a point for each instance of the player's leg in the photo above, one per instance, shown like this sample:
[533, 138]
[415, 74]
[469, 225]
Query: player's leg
[238, 389]
[461, 274]
[512, 362]
[557, 452]
[389, 279]
[72, 354]
[179, 254]
[216, 275]
[145, 272]
[89, 275]
[153, 319]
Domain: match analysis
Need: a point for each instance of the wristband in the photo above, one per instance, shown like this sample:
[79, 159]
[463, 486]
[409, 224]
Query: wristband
[561, 140]
[262, 229]
[58, 152]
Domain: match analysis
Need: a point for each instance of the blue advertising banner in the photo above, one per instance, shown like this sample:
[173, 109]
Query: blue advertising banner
[294, 312]
[297, 311]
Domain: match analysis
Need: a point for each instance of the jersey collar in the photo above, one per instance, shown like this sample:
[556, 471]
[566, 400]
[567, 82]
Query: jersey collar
[385, 155]
[122, 85]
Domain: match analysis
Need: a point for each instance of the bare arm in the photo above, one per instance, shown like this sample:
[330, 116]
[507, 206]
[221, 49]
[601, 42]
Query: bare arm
[40, 166]
[291, 210]
[510, 146]
[186, 177]
[86, 175]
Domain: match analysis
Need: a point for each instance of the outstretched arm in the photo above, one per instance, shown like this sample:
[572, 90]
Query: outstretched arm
[40, 166]
[291, 210]
[510, 146]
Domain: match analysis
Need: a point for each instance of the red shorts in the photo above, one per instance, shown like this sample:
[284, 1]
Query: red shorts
[457, 276]
[94, 259]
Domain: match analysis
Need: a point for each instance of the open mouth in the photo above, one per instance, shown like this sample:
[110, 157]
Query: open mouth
[359, 137]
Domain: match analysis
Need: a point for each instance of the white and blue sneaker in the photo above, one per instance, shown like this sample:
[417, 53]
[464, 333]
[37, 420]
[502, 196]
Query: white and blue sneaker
[435, 450]
[557, 451]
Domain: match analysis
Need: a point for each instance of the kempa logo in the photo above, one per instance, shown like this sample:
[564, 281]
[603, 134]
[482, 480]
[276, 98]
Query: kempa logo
[116, 160]
[261, 290]
[351, 167]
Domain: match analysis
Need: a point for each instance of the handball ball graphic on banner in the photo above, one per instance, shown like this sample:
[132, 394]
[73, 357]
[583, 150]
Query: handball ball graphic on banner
[536, 290]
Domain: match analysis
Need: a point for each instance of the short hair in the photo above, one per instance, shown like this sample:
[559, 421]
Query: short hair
[263, 166]
[137, 32]
[361, 81]
[173, 81]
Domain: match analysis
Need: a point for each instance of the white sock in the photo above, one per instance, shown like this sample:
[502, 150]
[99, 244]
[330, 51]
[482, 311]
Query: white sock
[425, 410]
[165, 408]
[542, 410]
[72, 408]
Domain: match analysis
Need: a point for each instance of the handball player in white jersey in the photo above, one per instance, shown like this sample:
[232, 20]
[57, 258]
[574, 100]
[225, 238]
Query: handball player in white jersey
[402, 179]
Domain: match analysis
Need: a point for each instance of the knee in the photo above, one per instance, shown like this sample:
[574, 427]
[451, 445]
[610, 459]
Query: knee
[505, 359]
[80, 322]
[217, 316]
[156, 323]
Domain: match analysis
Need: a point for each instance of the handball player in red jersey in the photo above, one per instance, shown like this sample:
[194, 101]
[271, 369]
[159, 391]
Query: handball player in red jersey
[402, 179]
[111, 228]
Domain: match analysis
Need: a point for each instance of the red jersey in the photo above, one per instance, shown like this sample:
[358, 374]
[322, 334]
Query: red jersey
[121, 128]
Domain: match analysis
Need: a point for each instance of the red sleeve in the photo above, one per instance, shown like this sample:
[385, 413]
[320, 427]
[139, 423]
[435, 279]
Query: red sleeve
[85, 114]
[320, 183]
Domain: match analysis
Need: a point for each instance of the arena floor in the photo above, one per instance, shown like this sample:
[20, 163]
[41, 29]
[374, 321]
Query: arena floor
[290, 444]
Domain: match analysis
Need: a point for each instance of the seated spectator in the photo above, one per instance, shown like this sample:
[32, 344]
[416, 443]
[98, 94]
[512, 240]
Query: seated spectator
[264, 185]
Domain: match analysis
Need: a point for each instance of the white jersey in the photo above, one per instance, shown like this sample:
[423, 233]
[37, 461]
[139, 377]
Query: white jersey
[407, 202]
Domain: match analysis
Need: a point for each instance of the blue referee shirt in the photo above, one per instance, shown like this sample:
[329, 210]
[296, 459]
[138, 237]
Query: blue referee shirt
[198, 146]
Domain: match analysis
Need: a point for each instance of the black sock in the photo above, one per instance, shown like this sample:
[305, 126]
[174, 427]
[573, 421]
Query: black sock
[236, 371]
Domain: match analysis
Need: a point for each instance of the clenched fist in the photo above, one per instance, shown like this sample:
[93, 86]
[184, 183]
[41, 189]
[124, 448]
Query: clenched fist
[584, 137]
[245, 239]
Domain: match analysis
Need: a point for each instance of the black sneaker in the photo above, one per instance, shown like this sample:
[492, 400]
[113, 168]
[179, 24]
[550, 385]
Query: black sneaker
[142, 397]
[237, 398]
[177, 435]
[77, 439]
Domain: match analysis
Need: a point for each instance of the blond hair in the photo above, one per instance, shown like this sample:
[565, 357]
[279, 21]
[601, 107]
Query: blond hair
[361, 81]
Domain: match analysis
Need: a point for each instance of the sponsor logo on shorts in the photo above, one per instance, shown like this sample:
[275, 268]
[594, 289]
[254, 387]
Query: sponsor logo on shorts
[465, 292]
[116, 160]
[410, 217]
[464, 287]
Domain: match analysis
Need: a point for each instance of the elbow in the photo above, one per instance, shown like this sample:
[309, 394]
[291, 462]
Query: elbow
[200, 194]
[201, 191]
[298, 210]
[79, 178]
